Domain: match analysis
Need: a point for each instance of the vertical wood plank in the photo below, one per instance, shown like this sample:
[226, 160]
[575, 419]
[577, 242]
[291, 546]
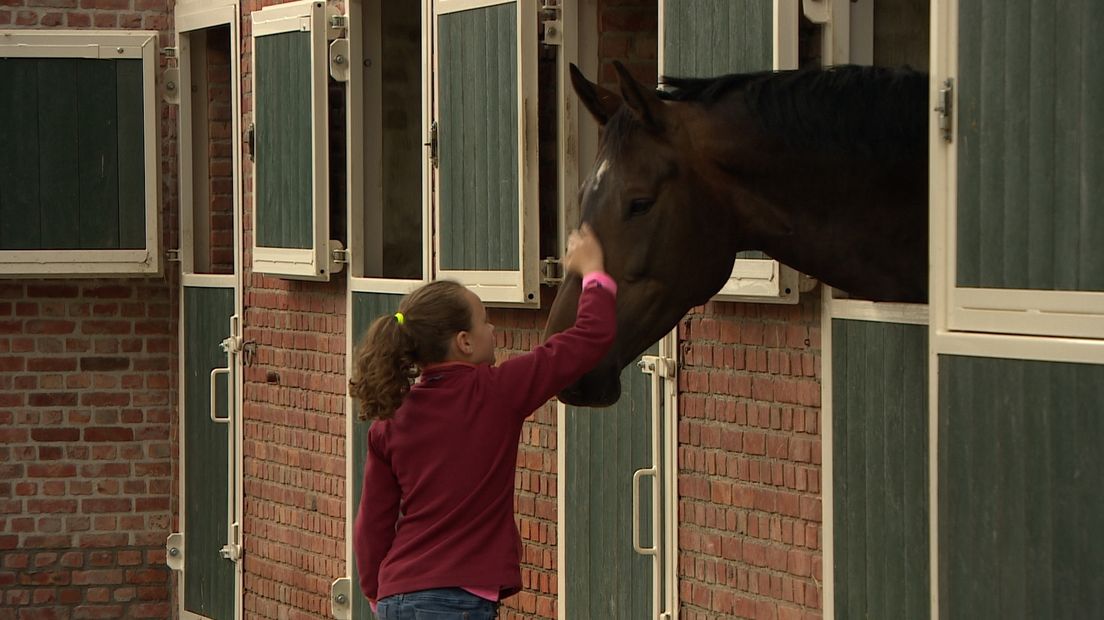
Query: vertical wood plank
[98, 155]
[132, 161]
[60, 171]
[19, 177]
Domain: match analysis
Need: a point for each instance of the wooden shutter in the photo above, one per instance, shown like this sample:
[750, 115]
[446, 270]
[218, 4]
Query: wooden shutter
[486, 176]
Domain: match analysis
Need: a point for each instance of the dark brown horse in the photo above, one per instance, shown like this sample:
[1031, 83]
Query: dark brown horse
[824, 170]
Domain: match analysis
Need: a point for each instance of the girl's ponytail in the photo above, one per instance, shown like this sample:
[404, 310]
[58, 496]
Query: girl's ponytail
[384, 369]
[396, 344]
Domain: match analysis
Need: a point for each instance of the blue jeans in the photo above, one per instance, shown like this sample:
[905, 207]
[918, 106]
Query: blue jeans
[439, 604]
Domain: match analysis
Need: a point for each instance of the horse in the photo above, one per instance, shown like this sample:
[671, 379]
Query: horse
[824, 170]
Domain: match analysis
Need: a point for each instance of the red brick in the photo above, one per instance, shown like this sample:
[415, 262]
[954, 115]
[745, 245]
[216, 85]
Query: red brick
[51, 290]
[53, 470]
[108, 433]
[103, 399]
[55, 434]
[53, 399]
[13, 435]
[104, 364]
[50, 326]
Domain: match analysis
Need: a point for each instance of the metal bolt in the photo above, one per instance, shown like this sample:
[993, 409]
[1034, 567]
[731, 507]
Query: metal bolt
[174, 552]
[341, 599]
[339, 59]
[119, 49]
[170, 86]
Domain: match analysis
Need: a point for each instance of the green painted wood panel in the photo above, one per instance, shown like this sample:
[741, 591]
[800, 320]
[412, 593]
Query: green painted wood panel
[284, 158]
[1030, 170]
[208, 578]
[707, 38]
[366, 308]
[132, 160]
[478, 138]
[880, 460]
[59, 173]
[98, 154]
[73, 170]
[19, 145]
[606, 578]
[1020, 478]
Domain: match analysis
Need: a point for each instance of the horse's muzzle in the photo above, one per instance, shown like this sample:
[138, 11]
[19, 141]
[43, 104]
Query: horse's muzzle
[600, 387]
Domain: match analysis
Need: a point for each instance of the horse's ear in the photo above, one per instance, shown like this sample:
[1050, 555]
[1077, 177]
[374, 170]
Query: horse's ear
[644, 102]
[601, 103]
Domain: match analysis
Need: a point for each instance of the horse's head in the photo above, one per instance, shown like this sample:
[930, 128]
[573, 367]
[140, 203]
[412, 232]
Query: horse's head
[655, 205]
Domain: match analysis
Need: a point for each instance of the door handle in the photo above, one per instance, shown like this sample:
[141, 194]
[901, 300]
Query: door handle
[215, 372]
[637, 475]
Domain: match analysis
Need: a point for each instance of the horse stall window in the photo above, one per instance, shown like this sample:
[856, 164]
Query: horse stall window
[707, 39]
[207, 152]
[389, 155]
[486, 170]
[292, 140]
[79, 147]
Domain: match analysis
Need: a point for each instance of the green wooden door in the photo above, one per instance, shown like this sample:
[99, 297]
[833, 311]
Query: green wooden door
[366, 308]
[1020, 479]
[208, 577]
[880, 469]
[606, 578]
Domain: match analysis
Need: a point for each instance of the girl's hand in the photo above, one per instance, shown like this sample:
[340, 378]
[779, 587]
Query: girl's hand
[584, 252]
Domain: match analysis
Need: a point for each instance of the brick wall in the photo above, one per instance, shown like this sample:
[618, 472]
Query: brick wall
[749, 461]
[294, 426]
[86, 382]
[220, 152]
[87, 394]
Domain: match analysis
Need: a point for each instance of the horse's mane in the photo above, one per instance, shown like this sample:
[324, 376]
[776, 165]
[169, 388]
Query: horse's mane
[872, 111]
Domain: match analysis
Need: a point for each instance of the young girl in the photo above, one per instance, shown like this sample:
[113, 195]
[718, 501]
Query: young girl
[435, 533]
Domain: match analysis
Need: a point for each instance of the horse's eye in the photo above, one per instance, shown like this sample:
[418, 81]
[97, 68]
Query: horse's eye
[640, 206]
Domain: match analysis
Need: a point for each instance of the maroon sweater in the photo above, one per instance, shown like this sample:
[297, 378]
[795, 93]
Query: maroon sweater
[446, 460]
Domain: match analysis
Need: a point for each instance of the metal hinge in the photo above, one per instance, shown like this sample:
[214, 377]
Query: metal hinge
[340, 256]
[337, 22]
[173, 255]
[553, 28]
[171, 80]
[946, 110]
[432, 144]
[551, 271]
[174, 551]
[341, 594]
[233, 550]
[663, 366]
[169, 52]
[251, 141]
[339, 59]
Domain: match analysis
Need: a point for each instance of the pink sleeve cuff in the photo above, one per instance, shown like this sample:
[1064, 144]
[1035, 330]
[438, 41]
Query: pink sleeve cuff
[600, 278]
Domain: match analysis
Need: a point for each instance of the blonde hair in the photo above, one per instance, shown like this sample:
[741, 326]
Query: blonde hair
[393, 349]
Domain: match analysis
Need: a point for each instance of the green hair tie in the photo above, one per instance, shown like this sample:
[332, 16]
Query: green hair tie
[400, 318]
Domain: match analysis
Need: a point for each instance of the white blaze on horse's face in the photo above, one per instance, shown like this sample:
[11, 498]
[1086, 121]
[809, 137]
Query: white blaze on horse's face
[596, 179]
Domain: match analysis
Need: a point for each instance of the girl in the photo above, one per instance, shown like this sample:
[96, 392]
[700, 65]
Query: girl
[435, 534]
